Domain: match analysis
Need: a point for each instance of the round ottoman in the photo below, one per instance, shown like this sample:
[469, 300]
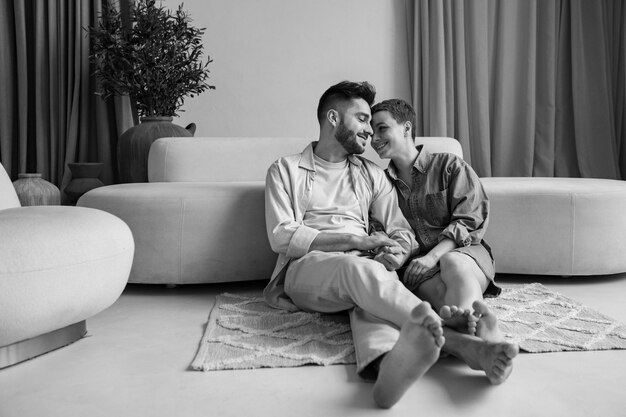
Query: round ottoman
[557, 226]
[58, 266]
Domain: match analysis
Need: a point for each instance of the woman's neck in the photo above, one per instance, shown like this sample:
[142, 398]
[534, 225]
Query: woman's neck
[405, 160]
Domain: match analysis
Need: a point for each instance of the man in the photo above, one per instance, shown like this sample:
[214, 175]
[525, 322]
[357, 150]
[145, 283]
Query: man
[318, 205]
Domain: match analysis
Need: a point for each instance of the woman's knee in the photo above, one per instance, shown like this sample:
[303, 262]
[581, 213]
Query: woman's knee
[458, 268]
[455, 266]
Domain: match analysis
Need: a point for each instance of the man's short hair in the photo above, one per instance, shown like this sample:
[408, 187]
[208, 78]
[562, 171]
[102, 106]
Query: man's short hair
[344, 91]
[400, 110]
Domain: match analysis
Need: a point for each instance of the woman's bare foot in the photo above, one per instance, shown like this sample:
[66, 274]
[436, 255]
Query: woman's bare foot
[458, 319]
[487, 325]
[416, 350]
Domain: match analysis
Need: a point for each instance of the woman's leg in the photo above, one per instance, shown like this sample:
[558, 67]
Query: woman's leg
[464, 281]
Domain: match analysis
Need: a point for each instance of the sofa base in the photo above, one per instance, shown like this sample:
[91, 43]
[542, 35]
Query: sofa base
[27, 349]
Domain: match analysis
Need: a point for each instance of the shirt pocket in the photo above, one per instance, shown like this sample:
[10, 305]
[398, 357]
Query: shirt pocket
[437, 212]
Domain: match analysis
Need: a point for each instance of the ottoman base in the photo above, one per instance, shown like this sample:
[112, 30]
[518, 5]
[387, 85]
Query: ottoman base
[30, 348]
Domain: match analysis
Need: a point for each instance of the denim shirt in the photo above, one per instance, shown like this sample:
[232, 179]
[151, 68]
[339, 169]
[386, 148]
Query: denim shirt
[446, 200]
[288, 190]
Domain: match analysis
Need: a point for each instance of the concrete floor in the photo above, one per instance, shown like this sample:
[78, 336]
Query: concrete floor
[136, 359]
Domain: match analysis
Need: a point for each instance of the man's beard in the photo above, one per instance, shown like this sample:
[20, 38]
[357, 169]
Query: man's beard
[348, 139]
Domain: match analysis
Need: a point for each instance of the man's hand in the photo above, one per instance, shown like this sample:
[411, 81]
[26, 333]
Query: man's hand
[392, 258]
[376, 243]
[417, 268]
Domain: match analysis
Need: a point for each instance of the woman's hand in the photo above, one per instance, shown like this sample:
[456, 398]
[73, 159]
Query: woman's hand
[419, 267]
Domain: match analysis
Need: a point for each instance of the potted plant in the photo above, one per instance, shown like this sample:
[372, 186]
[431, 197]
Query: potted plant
[157, 61]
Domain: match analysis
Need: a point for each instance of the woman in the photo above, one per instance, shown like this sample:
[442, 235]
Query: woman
[446, 205]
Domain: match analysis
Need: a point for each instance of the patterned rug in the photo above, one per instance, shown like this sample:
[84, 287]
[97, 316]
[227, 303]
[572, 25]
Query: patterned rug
[244, 333]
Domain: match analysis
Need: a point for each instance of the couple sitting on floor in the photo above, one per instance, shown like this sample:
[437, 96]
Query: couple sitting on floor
[353, 237]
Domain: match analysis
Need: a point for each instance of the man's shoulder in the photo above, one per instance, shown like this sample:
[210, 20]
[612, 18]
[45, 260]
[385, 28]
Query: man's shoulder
[372, 172]
[287, 159]
[369, 164]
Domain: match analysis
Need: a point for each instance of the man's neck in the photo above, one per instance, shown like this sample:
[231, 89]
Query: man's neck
[330, 151]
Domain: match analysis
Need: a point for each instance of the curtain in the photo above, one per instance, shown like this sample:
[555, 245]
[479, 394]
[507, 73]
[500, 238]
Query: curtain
[528, 87]
[49, 112]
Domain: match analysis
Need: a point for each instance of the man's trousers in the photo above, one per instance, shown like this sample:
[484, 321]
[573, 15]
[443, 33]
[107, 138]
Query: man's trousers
[379, 304]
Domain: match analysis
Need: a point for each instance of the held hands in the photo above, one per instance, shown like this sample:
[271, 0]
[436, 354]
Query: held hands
[417, 268]
[387, 251]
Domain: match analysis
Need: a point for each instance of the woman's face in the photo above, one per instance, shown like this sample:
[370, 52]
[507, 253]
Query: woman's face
[389, 137]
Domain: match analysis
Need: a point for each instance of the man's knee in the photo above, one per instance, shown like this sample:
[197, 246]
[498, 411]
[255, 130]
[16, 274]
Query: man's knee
[363, 272]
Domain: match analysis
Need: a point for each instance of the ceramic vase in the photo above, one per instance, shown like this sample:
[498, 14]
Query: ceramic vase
[84, 178]
[134, 145]
[32, 190]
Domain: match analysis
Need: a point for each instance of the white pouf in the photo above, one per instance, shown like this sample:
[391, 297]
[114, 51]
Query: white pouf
[557, 226]
[58, 267]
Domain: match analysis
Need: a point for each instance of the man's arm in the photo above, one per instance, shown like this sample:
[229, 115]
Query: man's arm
[289, 236]
[333, 242]
[285, 234]
[385, 210]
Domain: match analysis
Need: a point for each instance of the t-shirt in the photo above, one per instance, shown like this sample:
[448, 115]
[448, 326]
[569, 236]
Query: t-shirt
[333, 206]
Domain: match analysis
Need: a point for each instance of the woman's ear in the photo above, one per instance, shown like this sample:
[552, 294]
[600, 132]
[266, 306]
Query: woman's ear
[333, 117]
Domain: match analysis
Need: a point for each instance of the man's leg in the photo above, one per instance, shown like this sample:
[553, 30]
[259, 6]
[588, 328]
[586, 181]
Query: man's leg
[328, 282]
[400, 357]
[380, 305]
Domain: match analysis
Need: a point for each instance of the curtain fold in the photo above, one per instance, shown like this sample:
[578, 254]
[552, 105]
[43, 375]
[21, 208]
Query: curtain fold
[529, 87]
[49, 112]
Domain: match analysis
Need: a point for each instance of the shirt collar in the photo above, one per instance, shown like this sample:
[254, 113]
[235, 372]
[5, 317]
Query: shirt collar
[308, 162]
[421, 163]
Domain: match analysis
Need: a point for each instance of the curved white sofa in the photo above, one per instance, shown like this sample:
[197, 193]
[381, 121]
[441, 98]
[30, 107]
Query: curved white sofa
[557, 226]
[200, 219]
[58, 267]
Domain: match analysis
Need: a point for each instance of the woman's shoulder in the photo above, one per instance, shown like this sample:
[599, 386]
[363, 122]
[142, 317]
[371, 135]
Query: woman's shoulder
[445, 161]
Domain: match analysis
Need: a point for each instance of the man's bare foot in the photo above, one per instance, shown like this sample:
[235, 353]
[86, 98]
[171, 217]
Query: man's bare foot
[496, 359]
[487, 325]
[416, 350]
[458, 319]
[496, 356]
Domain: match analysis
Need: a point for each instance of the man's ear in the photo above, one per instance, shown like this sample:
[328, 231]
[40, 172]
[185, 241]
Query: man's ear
[333, 117]
[408, 128]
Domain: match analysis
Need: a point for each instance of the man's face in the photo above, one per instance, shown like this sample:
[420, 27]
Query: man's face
[354, 128]
[389, 136]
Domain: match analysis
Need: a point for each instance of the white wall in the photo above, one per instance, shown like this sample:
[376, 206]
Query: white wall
[274, 58]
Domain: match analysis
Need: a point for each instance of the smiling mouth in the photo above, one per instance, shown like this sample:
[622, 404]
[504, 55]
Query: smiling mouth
[379, 146]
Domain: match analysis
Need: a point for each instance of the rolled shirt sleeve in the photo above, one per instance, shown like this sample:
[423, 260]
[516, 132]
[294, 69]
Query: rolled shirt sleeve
[469, 206]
